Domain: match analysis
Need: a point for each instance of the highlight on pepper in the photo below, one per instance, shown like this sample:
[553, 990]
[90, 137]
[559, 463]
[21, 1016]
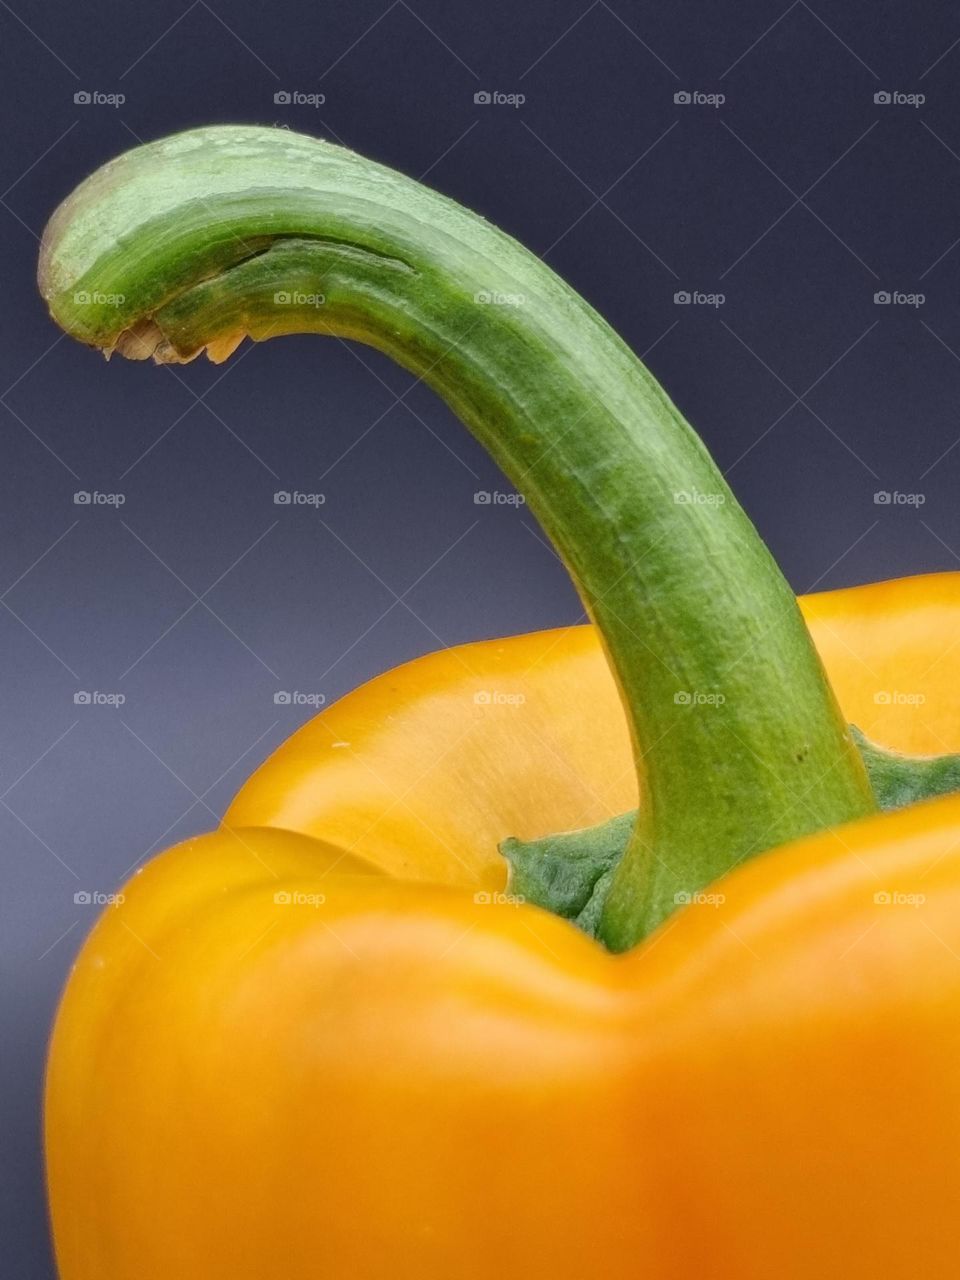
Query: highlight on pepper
[628, 949]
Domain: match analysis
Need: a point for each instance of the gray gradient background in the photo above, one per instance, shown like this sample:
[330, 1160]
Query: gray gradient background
[199, 599]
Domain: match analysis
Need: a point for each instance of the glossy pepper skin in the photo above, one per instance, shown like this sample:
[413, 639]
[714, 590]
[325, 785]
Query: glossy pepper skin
[324, 1041]
[286, 1056]
[452, 768]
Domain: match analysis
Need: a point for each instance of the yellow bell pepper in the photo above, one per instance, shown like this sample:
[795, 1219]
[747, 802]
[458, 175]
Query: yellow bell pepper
[326, 1040]
[423, 770]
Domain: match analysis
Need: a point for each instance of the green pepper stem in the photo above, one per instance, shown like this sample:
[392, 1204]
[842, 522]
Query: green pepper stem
[211, 235]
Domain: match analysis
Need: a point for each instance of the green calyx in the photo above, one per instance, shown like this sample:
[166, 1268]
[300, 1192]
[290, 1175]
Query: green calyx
[205, 238]
[570, 873]
[899, 780]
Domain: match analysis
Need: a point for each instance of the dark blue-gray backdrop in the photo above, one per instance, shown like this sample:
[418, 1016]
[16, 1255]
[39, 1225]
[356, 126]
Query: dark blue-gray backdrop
[796, 159]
